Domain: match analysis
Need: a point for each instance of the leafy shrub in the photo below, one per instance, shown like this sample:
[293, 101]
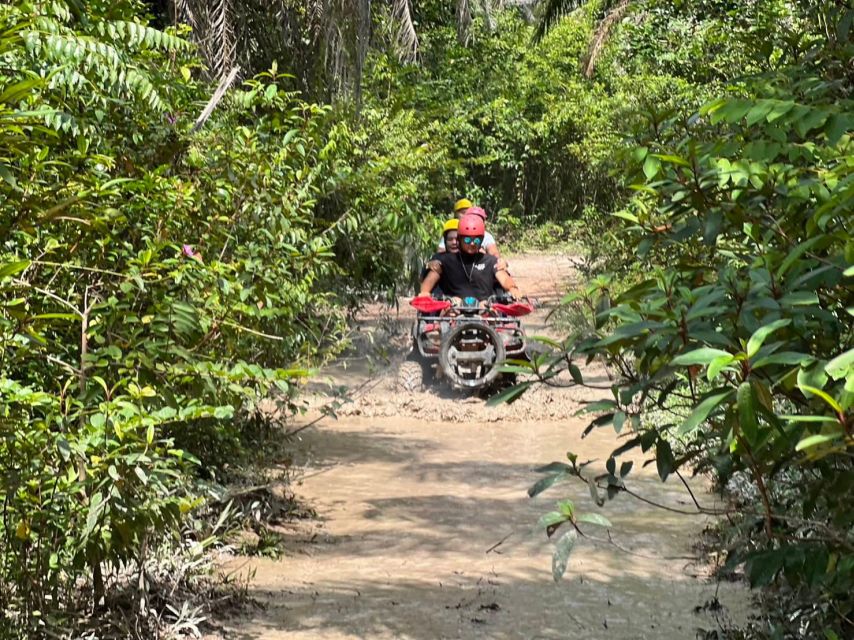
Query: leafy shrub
[155, 281]
[740, 334]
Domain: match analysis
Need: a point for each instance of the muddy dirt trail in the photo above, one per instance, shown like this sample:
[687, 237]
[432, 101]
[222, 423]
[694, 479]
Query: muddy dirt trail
[425, 531]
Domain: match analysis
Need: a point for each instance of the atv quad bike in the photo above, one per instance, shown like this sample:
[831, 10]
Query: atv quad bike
[464, 343]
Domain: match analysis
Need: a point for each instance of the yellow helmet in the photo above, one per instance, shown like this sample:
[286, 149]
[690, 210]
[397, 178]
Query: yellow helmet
[450, 225]
[462, 204]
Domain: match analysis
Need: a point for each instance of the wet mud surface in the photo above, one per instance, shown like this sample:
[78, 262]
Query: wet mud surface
[425, 530]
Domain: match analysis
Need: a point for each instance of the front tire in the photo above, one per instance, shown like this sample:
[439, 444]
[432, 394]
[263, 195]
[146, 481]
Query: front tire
[455, 349]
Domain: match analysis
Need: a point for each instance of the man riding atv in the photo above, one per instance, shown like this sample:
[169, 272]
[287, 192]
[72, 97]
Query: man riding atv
[465, 327]
[468, 273]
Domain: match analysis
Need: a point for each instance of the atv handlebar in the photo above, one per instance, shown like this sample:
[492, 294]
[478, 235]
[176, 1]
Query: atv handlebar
[503, 303]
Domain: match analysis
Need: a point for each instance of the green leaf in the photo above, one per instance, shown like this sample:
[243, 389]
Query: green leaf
[625, 215]
[625, 468]
[795, 418]
[544, 483]
[8, 177]
[11, 268]
[840, 365]
[784, 357]
[799, 299]
[665, 463]
[594, 518]
[508, 395]
[672, 159]
[140, 473]
[806, 389]
[651, 167]
[717, 365]
[550, 519]
[704, 355]
[64, 448]
[815, 440]
[761, 568]
[712, 228]
[759, 111]
[566, 508]
[759, 336]
[795, 254]
[746, 402]
[619, 420]
[561, 555]
[516, 368]
[598, 405]
[812, 376]
[702, 411]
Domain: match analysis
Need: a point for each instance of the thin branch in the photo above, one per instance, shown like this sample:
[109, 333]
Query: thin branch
[50, 295]
[240, 327]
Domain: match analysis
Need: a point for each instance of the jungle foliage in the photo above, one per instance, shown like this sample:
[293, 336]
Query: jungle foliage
[155, 280]
[728, 323]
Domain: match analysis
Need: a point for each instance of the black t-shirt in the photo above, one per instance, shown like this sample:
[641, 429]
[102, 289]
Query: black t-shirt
[464, 275]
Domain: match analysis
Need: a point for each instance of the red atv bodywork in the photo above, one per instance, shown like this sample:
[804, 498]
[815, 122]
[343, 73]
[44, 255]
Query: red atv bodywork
[469, 342]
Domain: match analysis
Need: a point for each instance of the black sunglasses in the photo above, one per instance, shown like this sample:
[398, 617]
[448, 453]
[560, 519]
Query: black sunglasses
[470, 239]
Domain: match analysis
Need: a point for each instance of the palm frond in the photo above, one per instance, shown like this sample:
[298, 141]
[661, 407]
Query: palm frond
[553, 11]
[488, 8]
[406, 39]
[222, 30]
[464, 21]
[600, 37]
[316, 12]
[185, 12]
[363, 43]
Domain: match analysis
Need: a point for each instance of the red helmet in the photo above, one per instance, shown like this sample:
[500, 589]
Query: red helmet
[476, 211]
[471, 225]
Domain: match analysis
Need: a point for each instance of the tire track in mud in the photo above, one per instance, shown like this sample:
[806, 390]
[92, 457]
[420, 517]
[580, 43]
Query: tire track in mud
[425, 530]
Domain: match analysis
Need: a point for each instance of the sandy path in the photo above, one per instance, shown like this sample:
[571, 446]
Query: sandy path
[425, 530]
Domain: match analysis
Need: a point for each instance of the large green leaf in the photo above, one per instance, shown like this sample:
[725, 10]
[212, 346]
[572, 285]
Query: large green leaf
[563, 548]
[746, 401]
[760, 335]
[839, 367]
[703, 410]
[509, 394]
[11, 268]
[594, 518]
[704, 355]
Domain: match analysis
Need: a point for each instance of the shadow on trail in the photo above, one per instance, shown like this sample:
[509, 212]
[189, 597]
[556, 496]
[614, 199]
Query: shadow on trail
[474, 604]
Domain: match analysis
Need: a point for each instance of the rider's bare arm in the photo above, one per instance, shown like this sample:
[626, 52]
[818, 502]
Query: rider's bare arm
[507, 282]
[493, 250]
[434, 273]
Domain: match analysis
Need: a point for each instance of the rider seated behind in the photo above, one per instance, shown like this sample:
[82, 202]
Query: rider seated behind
[468, 273]
[449, 237]
[464, 207]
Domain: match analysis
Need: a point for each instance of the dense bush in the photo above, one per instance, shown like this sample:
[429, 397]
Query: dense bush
[733, 351]
[154, 282]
